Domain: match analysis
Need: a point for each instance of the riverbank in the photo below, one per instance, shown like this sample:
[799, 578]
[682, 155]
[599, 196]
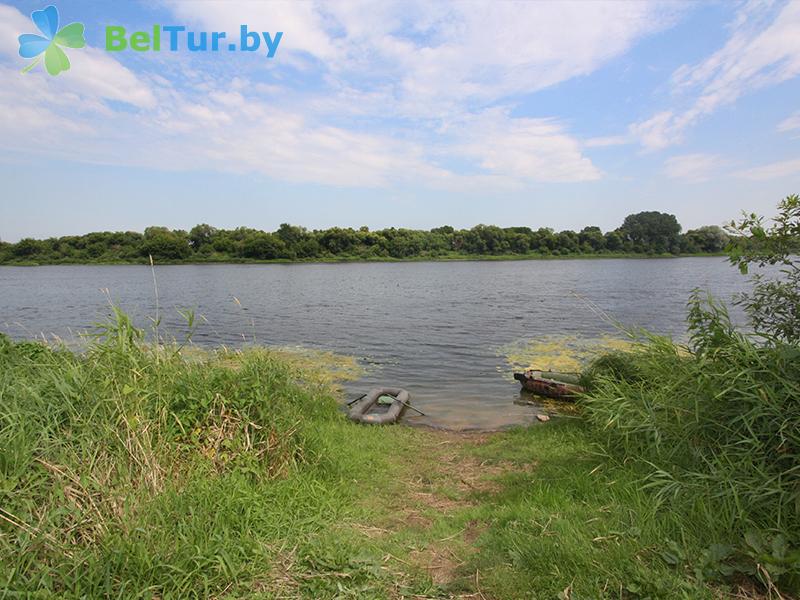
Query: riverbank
[141, 472]
[358, 259]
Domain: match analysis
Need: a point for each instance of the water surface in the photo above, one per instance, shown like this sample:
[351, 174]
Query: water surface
[439, 329]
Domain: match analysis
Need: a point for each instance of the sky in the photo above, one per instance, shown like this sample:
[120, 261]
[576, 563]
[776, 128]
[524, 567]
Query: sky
[405, 114]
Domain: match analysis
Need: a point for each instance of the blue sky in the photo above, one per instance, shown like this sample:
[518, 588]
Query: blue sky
[411, 114]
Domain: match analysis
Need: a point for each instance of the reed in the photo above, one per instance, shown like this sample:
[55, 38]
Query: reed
[714, 427]
[128, 470]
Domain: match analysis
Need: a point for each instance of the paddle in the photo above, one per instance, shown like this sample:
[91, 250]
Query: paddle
[407, 405]
[356, 400]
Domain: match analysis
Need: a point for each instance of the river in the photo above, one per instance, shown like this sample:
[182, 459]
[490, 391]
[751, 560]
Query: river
[443, 330]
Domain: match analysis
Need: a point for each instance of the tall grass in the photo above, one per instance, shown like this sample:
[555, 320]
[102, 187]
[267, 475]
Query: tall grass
[128, 471]
[715, 428]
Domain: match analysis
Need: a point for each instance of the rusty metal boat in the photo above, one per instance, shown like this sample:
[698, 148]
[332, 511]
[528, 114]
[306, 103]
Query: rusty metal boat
[551, 384]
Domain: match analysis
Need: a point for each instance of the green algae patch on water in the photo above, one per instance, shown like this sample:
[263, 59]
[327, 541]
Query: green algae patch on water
[564, 353]
[321, 367]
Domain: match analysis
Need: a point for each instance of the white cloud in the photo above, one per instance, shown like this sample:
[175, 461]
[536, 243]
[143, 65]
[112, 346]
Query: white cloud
[189, 134]
[95, 73]
[425, 78]
[606, 141]
[790, 123]
[776, 170]
[693, 168]
[439, 65]
[759, 53]
[240, 132]
[431, 59]
[659, 131]
[525, 149]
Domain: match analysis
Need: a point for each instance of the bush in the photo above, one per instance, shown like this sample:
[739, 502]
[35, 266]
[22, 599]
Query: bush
[774, 304]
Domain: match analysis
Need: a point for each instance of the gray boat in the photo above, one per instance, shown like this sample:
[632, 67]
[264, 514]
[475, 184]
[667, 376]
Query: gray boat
[381, 406]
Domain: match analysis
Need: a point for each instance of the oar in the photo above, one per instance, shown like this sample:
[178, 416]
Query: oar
[356, 400]
[407, 405]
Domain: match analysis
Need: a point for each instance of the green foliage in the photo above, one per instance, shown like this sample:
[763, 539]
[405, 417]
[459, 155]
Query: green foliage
[164, 244]
[613, 364]
[263, 246]
[646, 233]
[133, 471]
[26, 247]
[710, 238]
[716, 428]
[568, 523]
[652, 232]
[201, 236]
[774, 303]
[128, 470]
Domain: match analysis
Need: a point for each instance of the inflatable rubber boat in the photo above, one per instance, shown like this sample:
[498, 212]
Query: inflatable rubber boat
[381, 406]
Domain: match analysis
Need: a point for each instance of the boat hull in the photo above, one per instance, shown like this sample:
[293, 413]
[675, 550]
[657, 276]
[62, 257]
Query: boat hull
[539, 383]
[360, 412]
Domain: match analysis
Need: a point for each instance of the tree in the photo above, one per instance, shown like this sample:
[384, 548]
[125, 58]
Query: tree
[774, 303]
[613, 241]
[591, 239]
[291, 234]
[337, 240]
[161, 243]
[519, 243]
[27, 247]
[710, 238]
[202, 235]
[543, 240]
[263, 246]
[567, 242]
[646, 232]
[652, 232]
[485, 239]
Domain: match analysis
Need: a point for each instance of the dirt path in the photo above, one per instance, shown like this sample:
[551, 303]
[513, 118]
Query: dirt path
[437, 521]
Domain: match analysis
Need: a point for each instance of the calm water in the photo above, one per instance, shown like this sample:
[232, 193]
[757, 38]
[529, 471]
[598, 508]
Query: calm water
[437, 329]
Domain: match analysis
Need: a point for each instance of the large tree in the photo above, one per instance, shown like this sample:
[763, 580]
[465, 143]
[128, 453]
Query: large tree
[652, 232]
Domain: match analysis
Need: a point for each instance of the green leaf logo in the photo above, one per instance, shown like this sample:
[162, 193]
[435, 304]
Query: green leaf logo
[49, 44]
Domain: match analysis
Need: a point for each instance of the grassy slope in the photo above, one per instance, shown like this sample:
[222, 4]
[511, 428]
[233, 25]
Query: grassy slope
[135, 473]
[530, 513]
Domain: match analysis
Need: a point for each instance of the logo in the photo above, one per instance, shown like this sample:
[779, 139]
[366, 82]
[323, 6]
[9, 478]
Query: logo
[35, 46]
[50, 44]
[177, 37]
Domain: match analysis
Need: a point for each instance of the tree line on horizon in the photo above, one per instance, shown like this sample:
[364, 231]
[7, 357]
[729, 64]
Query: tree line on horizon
[649, 233]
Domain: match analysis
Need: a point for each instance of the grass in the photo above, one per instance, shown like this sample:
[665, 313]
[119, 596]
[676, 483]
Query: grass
[138, 472]
[715, 429]
[576, 526]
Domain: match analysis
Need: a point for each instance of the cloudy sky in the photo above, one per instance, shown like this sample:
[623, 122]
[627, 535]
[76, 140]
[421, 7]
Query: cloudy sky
[404, 114]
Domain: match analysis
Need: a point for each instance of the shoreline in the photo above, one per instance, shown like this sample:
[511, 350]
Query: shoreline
[348, 260]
